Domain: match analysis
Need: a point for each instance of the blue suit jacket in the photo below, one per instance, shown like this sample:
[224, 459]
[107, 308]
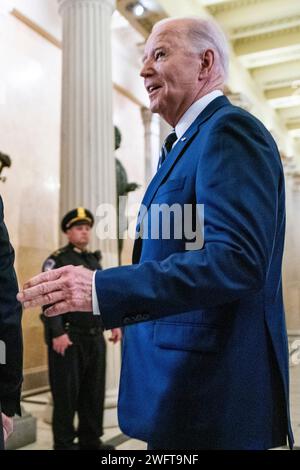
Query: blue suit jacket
[205, 360]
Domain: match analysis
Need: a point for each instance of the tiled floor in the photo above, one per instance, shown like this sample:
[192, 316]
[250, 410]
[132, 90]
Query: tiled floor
[44, 434]
[44, 437]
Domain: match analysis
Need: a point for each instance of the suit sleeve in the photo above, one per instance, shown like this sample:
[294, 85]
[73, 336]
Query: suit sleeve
[54, 325]
[237, 180]
[10, 328]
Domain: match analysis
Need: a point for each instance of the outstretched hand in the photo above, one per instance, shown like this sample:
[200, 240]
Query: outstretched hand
[7, 426]
[66, 289]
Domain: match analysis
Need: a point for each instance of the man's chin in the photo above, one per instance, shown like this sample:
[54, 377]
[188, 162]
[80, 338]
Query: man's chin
[154, 107]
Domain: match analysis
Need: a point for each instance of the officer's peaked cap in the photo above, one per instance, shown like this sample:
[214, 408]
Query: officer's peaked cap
[77, 216]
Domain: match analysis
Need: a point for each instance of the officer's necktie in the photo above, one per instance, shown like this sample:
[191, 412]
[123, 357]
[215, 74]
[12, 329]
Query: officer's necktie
[167, 147]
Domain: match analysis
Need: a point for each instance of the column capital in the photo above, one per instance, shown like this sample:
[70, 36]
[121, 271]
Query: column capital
[65, 4]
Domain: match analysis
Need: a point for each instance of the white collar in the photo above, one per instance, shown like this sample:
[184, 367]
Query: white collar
[190, 115]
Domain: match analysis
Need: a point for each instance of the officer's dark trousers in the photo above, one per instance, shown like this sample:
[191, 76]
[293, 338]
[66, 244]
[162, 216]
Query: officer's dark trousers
[77, 382]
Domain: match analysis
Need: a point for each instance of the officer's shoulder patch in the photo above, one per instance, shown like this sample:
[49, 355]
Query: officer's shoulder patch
[49, 264]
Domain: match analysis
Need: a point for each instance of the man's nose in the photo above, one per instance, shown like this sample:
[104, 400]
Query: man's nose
[146, 69]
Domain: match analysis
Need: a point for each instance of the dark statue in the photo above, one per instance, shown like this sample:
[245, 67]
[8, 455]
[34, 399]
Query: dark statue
[123, 188]
[5, 161]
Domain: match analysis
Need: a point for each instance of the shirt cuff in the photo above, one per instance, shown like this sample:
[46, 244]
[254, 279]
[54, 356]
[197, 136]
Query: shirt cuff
[96, 309]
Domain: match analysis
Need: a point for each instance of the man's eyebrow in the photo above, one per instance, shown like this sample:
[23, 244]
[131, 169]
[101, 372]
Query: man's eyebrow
[153, 52]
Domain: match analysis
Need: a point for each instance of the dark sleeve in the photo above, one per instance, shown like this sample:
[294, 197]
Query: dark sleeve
[11, 348]
[237, 180]
[54, 325]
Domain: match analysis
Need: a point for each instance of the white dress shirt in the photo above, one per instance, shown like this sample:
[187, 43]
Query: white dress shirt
[184, 123]
[190, 115]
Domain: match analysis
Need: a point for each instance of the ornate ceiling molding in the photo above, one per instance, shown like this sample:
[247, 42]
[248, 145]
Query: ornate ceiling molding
[266, 27]
[64, 4]
[145, 23]
[232, 5]
[267, 35]
[271, 84]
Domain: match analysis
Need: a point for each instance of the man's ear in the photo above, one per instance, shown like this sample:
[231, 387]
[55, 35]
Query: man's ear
[207, 62]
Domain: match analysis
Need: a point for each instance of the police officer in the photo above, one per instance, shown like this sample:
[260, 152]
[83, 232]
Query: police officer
[76, 349]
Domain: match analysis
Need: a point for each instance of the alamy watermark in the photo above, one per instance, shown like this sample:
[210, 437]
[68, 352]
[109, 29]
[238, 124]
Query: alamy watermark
[159, 222]
[294, 352]
[2, 352]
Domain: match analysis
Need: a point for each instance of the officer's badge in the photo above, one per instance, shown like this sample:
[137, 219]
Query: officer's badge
[49, 264]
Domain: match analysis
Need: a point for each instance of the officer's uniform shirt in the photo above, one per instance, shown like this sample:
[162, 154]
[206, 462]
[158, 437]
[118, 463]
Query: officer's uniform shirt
[71, 255]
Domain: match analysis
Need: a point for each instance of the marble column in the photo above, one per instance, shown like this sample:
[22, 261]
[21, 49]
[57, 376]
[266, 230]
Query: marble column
[87, 141]
[87, 150]
[165, 129]
[297, 152]
[152, 142]
[239, 99]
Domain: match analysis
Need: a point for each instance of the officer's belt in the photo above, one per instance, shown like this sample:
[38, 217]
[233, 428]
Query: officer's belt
[78, 330]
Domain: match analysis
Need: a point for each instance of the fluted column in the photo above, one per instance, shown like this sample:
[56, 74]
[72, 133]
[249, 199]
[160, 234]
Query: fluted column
[151, 142]
[297, 152]
[87, 147]
[87, 160]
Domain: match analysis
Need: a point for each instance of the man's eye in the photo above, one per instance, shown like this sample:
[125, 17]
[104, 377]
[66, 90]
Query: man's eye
[159, 54]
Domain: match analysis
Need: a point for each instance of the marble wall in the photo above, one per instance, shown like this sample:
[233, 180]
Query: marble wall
[30, 135]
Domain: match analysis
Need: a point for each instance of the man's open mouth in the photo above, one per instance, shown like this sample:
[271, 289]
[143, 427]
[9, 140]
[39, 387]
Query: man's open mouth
[152, 89]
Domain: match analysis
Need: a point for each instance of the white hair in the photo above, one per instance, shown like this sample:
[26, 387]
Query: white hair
[205, 34]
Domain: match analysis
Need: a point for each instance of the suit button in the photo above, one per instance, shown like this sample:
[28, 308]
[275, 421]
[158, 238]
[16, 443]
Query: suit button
[136, 318]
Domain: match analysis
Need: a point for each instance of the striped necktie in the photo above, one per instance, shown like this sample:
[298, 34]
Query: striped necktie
[167, 147]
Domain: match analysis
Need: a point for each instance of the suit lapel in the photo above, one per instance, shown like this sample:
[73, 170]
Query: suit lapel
[169, 163]
[167, 166]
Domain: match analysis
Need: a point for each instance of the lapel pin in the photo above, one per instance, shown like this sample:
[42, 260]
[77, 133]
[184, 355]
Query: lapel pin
[183, 139]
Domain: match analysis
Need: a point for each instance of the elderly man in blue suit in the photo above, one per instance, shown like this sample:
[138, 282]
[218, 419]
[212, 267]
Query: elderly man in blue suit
[205, 361]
